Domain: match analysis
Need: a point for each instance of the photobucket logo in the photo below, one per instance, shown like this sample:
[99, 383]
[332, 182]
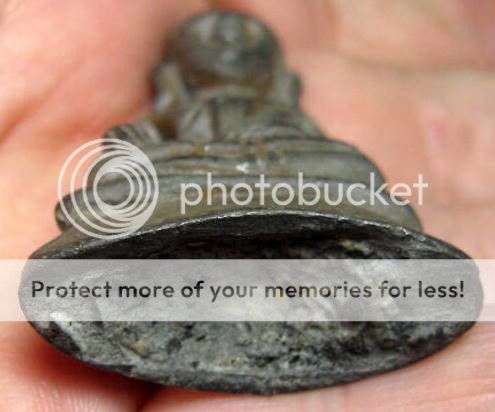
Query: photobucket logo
[304, 193]
[93, 215]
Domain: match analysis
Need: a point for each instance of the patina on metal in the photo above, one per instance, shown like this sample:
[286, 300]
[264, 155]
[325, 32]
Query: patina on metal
[226, 103]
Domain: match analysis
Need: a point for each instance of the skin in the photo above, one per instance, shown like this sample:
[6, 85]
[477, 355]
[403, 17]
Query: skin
[410, 83]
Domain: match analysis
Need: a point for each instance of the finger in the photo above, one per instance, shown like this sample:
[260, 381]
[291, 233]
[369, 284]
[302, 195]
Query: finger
[78, 67]
[36, 377]
[411, 124]
[390, 112]
[70, 70]
[422, 33]
[456, 379]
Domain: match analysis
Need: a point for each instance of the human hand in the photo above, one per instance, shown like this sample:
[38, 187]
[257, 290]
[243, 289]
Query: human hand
[409, 83]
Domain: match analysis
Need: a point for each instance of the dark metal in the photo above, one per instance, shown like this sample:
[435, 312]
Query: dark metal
[226, 103]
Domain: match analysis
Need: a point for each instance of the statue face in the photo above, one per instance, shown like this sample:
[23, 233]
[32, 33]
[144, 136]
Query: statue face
[220, 47]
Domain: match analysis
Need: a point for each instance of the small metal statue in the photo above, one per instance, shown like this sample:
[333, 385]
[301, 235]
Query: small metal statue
[227, 104]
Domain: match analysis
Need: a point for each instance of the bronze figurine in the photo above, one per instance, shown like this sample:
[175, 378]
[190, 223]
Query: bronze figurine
[227, 104]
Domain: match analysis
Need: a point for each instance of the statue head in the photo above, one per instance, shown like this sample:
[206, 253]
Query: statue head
[219, 47]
